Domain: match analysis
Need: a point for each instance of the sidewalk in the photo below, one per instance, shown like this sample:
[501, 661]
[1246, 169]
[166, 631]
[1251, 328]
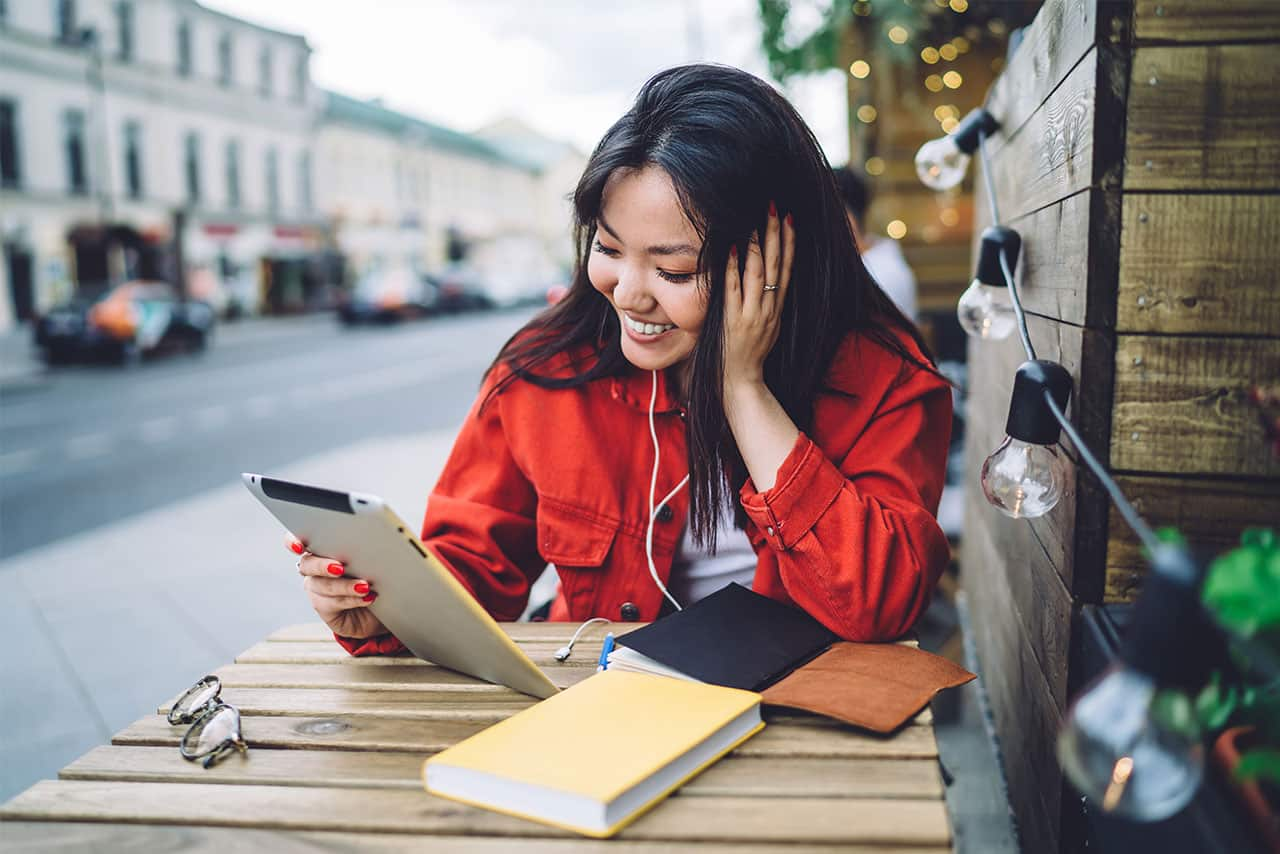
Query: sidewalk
[105, 625]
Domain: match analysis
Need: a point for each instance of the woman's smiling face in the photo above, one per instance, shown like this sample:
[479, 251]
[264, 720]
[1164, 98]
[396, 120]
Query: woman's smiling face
[645, 261]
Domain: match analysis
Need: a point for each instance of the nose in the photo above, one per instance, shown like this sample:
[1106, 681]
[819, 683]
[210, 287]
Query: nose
[630, 292]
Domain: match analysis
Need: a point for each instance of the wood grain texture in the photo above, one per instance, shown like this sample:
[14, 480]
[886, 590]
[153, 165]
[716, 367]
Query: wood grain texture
[1204, 118]
[1211, 513]
[815, 738]
[770, 777]
[521, 633]
[352, 676]
[328, 652]
[79, 837]
[1181, 405]
[1199, 264]
[1197, 21]
[713, 819]
[1061, 34]
[483, 703]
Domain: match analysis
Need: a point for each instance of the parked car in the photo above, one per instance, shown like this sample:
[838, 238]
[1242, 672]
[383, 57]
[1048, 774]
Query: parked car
[129, 321]
[461, 288]
[385, 296]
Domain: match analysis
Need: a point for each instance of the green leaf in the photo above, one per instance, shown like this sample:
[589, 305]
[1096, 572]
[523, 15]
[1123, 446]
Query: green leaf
[1259, 764]
[1174, 711]
[1215, 703]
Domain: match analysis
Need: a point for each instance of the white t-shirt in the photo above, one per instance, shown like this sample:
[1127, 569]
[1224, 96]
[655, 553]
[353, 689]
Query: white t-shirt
[889, 268]
[696, 574]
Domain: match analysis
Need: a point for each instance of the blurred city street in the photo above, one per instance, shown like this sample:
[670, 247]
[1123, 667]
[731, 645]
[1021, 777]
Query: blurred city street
[135, 561]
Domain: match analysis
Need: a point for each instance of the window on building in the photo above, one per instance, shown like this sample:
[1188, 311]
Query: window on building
[273, 181]
[124, 30]
[304, 182]
[68, 30]
[10, 172]
[73, 145]
[264, 71]
[300, 77]
[191, 166]
[133, 159]
[233, 174]
[224, 59]
[184, 48]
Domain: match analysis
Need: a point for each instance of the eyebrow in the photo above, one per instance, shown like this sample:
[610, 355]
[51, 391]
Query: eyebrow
[662, 249]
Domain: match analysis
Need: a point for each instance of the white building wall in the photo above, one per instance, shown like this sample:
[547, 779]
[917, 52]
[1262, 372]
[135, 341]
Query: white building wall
[45, 78]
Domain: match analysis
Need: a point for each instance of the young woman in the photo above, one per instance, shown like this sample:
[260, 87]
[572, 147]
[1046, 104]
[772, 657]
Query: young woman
[723, 346]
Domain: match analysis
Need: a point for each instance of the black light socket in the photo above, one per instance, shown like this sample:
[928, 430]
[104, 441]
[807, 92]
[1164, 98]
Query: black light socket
[972, 127]
[1168, 636]
[997, 239]
[1030, 418]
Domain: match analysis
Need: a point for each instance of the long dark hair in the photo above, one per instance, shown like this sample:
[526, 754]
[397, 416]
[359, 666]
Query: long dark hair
[730, 144]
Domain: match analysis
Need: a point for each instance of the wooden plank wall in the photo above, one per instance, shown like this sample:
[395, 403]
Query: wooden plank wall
[1137, 157]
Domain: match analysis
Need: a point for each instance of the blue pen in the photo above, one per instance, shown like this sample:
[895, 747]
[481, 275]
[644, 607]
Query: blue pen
[607, 648]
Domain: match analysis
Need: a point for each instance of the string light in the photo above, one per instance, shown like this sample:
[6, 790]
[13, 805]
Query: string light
[867, 114]
[929, 55]
[952, 79]
[874, 166]
[941, 163]
[933, 83]
[959, 6]
[949, 124]
[985, 309]
[1024, 476]
[860, 68]
[896, 229]
[948, 52]
[961, 44]
[943, 111]
[898, 34]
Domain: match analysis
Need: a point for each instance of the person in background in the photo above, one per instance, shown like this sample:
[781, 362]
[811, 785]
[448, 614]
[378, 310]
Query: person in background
[883, 258]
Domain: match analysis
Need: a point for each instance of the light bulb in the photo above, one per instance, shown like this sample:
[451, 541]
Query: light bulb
[986, 311]
[1023, 480]
[1120, 757]
[941, 164]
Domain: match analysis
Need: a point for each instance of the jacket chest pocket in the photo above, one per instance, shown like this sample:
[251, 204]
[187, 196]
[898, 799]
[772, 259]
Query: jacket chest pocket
[578, 543]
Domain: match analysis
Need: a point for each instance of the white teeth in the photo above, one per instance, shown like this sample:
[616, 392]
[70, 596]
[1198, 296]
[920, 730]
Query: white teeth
[648, 328]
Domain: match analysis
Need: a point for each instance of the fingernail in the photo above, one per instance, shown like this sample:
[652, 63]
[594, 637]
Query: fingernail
[733, 251]
[362, 587]
[335, 569]
[773, 208]
[296, 547]
[788, 219]
[370, 597]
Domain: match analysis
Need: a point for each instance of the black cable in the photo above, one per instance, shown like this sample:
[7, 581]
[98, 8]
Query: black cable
[1018, 313]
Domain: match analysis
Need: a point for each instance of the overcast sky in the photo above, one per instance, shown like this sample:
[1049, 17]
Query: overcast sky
[567, 67]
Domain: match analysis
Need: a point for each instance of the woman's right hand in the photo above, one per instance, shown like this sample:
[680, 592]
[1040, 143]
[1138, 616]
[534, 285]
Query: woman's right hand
[342, 602]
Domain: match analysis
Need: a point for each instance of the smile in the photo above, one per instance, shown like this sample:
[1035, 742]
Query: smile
[647, 328]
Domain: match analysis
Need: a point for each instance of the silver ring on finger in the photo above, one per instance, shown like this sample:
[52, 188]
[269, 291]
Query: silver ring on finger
[768, 288]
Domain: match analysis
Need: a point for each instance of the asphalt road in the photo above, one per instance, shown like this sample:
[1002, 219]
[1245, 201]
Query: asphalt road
[96, 444]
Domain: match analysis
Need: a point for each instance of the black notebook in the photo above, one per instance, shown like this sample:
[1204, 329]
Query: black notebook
[734, 637]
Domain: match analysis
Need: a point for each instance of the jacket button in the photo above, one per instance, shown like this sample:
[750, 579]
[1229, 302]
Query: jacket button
[629, 612]
[665, 513]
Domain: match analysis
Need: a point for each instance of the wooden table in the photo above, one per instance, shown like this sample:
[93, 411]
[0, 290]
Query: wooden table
[336, 749]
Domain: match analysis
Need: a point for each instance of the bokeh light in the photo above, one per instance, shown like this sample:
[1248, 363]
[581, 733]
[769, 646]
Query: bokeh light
[860, 69]
[874, 166]
[933, 83]
[959, 5]
[898, 34]
[950, 217]
[948, 52]
[952, 79]
[929, 55]
[867, 114]
[896, 229]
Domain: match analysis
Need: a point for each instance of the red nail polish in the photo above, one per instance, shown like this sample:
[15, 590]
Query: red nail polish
[335, 569]
[370, 597]
[296, 547]
[788, 219]
[773, 209]
[362, 587]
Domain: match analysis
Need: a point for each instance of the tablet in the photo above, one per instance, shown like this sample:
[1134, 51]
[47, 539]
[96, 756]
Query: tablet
[419, 600]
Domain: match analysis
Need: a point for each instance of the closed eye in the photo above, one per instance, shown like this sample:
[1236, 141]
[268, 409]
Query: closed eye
[676, 278]
[605, 250]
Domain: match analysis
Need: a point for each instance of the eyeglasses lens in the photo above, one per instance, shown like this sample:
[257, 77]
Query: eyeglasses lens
[213, 730]
[197, 698]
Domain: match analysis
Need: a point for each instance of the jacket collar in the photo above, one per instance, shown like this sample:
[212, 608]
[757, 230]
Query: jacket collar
[635, 387]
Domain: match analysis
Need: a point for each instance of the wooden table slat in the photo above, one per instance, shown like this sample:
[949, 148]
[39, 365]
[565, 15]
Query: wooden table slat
[732, 777]
[714, 819]
[434, 735]
[46, 837]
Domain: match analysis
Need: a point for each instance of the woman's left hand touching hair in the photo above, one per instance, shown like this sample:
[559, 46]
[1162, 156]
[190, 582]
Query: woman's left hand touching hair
[753, 304]
[753, 301]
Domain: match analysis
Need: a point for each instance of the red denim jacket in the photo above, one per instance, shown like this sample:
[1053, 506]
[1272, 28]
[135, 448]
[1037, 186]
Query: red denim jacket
[847, 532]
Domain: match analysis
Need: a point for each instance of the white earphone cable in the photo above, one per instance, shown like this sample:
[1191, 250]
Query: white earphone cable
[653, 487]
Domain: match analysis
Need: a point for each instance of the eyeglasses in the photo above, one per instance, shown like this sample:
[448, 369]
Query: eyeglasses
[215, 726]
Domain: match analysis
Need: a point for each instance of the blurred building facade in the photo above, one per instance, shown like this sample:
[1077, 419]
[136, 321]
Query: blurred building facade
[127, 124]
[123, 120]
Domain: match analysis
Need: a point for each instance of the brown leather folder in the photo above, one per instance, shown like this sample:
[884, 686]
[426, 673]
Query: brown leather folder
[879, 686]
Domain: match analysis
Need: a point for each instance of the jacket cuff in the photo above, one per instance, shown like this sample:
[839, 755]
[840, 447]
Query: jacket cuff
[384, 644]
[807, 484]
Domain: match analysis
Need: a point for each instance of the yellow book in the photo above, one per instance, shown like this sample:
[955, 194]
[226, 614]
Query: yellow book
[592, 758]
